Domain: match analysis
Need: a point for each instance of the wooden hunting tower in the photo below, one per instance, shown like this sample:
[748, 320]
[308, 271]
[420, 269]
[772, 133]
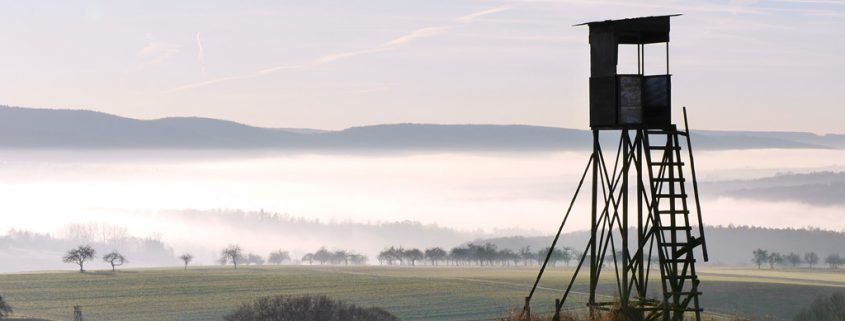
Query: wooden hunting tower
[628, 100]
[642, 208]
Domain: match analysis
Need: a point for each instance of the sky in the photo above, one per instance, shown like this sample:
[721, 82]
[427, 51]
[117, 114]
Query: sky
[737, 65]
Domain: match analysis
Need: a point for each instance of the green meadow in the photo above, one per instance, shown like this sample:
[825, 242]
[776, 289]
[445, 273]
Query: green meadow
[412, 293]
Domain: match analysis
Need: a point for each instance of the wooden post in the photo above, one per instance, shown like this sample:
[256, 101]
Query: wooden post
[527, 309]
[77, 313]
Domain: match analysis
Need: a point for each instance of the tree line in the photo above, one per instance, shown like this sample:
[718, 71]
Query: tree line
[762, 257]
[232, 254]
[486, 254]
[336, 257]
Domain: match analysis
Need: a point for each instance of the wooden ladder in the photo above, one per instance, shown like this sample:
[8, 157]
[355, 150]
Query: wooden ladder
[672, 226]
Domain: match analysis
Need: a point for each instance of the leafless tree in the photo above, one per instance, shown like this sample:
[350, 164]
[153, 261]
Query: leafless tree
[252, 258]
[115, 259]
[308, 257]
[759, 257]
[526, 255]
[834, 260]
[811, 258]
[187, 258]
[233, 254]
[414, 255]
[435, 255]
[278, 257]
[79, 255]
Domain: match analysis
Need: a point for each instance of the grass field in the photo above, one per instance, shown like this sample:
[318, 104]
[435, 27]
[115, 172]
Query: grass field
[412, 293]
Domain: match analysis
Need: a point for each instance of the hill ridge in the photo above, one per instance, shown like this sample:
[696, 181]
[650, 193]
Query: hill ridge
[22, 127]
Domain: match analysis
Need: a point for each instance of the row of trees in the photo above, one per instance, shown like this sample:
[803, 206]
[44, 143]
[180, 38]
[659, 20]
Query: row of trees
[474, 254]
[234, 254]
[83, 253]
[471, 254]
[335, 257]
[811, 259]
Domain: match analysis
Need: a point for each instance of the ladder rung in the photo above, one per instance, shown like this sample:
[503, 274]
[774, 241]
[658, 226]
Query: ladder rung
[672, 195]
[663, 147]
[666, 163]
[673, 212]
[668, 179]
[675, 228]
[665, 132]
[686, 293]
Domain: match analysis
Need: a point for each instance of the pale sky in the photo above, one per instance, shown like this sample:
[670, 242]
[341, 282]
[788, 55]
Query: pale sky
[738, 65]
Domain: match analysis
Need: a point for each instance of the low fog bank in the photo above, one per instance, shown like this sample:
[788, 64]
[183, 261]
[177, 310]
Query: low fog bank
[205, 233]
[824, 188]
[726, 245]
[262, 232]
[363, 203]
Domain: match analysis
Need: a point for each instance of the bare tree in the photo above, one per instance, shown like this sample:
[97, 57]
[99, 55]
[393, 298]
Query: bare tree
[278, 257]
[811, 258]
[79, 255]
[323, 255]
[775, 258]
[309, 257]
[526, 255]
[339, 256]
[233, 254]
[5, 308]
[793, 259]
[759, 257]
[834, 260]
[252, 258]
[569, 254]
[187, 258]
[413, 255]
[115, 259]
[435, 255]
[357, 259]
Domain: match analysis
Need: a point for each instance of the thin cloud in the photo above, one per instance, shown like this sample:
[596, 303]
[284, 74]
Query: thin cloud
[392, 44]
[200, 53]
[389, 45]
[155, 52]
[472, 16]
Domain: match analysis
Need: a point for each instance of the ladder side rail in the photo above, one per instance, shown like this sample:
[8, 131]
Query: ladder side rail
[654, 208]
[684, 207]
[693, 296]
[695, 188]
[671, 163]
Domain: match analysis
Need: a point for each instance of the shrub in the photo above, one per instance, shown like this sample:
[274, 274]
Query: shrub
[5, 309]
[306, 308]
[824, 308]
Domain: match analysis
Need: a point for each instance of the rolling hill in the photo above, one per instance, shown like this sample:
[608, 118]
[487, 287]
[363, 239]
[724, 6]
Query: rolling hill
[69, 129]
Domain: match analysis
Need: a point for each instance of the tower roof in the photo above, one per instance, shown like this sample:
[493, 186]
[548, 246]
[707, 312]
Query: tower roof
[642, 30]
